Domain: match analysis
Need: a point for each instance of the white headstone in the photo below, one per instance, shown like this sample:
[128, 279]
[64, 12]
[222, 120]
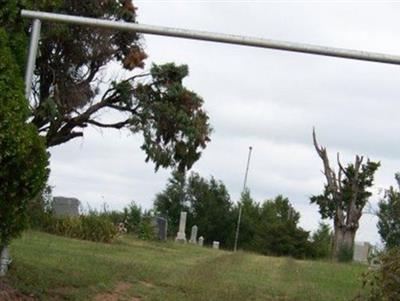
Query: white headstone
[216, 245]
[193, 235]
[181, 235]
[361, 252]
[201, 241]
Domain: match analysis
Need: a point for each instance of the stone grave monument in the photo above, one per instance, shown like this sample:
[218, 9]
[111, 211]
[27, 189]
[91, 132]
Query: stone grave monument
[201, 241]
[181, 235]
[215, 244]
[193, 235]
[64, 206]
[161, 228]
[361, 252]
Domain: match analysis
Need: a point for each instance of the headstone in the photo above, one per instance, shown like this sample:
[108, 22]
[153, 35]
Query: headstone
[161, 228]
[63, 206]
[361, 252]
[201, 241]
[216, 245]
[4, 261]
[181, 235]
[193, 235]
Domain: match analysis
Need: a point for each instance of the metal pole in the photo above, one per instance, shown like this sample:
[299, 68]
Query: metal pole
[217, 37]
[30, 65]
[240, 206]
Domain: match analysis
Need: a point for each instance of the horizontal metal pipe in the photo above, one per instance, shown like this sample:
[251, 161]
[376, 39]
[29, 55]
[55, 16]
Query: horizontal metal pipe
[217, 37]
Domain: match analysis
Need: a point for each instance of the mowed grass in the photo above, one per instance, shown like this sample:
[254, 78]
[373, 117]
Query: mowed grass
[56, 268]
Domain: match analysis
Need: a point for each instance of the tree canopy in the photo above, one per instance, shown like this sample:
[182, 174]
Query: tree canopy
[389, 216]
[69, 92]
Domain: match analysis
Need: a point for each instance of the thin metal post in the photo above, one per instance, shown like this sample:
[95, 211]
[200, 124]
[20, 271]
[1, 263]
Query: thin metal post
[217, 37]
[240, 206]
[30, 65]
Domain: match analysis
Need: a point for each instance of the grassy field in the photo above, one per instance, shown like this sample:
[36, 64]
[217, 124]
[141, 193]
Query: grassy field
[56, 268]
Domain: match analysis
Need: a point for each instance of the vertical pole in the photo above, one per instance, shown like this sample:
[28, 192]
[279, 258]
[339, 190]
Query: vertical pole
[30, 65]
[240, 207]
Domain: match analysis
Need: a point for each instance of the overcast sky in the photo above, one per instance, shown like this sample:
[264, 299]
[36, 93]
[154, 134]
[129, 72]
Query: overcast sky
[264, 98]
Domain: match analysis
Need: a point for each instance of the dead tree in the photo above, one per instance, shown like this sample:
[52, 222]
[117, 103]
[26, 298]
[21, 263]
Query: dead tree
[344, 197]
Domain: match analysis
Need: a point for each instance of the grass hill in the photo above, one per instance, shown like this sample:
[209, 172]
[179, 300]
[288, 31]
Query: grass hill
[48, 267]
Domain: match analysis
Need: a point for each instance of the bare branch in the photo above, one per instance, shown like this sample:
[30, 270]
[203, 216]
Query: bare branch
[116, 125]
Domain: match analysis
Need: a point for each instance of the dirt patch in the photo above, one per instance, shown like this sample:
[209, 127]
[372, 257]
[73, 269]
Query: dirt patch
[119, 293]
[7, 293]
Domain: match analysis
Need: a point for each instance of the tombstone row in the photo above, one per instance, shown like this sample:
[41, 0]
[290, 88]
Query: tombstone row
[181, 235]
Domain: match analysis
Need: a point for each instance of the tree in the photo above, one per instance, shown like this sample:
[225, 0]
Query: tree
[278, 233]
[172, 200]
[344, 197]
[210, 209]
[23, 157]
[207, 203]
[389, 216]
[250, 221]
[322, 241]
[69, 95]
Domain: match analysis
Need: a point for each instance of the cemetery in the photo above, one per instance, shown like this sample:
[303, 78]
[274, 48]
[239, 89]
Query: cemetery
[70, 67]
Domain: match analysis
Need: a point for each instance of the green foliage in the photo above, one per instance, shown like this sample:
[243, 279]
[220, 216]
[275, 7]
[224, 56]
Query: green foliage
[345, 254]
[93, 227]
[327, 202]
[132, 217]
[210, 209]
[172, 200]
[383, 284]
[271, 228]
[170, 117]
[322, 241]
[389, 217]
[250, 221]
[279, 233]
[23, 158]
[146, 229]
[207, 203]
[39, 208]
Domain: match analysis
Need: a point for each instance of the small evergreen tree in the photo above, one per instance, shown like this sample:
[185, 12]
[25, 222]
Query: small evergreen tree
[322, 241]
[389, 216]
[172, 200]
[250, 221]
[279, 233]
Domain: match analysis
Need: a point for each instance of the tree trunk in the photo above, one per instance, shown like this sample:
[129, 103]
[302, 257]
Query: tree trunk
[343, 241]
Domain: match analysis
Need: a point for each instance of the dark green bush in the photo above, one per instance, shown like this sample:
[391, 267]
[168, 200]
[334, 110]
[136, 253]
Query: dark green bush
[345, 254]
[23, 156]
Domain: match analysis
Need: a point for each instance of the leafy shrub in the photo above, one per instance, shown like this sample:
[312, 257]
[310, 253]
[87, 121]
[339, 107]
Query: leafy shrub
[23, 156]
[39, 208]
[147, 229]
[383, 284]
[93, 227]
[345, 254]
